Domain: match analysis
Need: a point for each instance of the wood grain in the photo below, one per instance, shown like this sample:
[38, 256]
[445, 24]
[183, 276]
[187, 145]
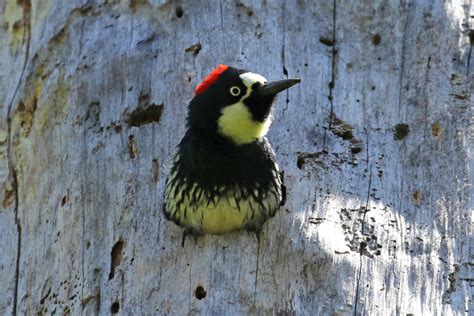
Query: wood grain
[375, 144]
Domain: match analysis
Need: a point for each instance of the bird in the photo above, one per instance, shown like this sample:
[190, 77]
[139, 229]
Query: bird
[224, 176]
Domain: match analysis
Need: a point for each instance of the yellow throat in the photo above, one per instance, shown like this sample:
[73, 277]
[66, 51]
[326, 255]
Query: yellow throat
[236, 121]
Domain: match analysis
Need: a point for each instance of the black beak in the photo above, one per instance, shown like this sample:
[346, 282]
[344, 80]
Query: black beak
[272, 88]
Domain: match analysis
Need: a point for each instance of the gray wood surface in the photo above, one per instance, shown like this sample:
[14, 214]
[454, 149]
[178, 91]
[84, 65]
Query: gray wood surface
[376, 145]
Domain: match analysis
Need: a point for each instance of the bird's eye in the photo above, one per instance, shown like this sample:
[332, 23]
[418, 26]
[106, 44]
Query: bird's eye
[235, 91]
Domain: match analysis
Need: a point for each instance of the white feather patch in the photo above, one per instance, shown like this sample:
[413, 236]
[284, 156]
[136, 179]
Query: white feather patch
[249, 78]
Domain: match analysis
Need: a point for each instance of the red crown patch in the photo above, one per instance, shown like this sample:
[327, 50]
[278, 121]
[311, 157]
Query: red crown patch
[210, 79]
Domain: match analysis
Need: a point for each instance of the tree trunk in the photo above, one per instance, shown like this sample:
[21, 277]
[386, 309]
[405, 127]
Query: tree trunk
[375, 143]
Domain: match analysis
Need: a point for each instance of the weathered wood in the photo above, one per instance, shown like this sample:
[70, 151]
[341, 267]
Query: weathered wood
[374, 143]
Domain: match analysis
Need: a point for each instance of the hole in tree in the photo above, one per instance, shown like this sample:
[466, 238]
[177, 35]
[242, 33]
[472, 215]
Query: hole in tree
[200, 293]
[132, 148]
[64, 200]
[116, 257]
[356, 149]
[114, 309]
[376, 39]
[179, 12]
[326, 41]
[147, 114]
[401, 131]
[300, 162]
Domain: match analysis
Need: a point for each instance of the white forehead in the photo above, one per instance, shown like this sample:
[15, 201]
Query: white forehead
[249, 78]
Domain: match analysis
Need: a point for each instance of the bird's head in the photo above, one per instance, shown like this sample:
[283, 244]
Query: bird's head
[235, 104]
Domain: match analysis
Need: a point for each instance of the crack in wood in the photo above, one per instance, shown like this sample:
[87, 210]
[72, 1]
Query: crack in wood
[471, 42]
[224, 42]
[282, 54]
[332, 83]
[256, 274]
[26, 20]
[363, 245]
[402, 70]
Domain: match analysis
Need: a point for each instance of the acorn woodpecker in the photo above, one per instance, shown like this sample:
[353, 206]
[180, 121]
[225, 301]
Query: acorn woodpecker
[224, 176]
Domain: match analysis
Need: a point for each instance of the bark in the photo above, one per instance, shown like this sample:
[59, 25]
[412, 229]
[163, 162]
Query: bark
[376, 145]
